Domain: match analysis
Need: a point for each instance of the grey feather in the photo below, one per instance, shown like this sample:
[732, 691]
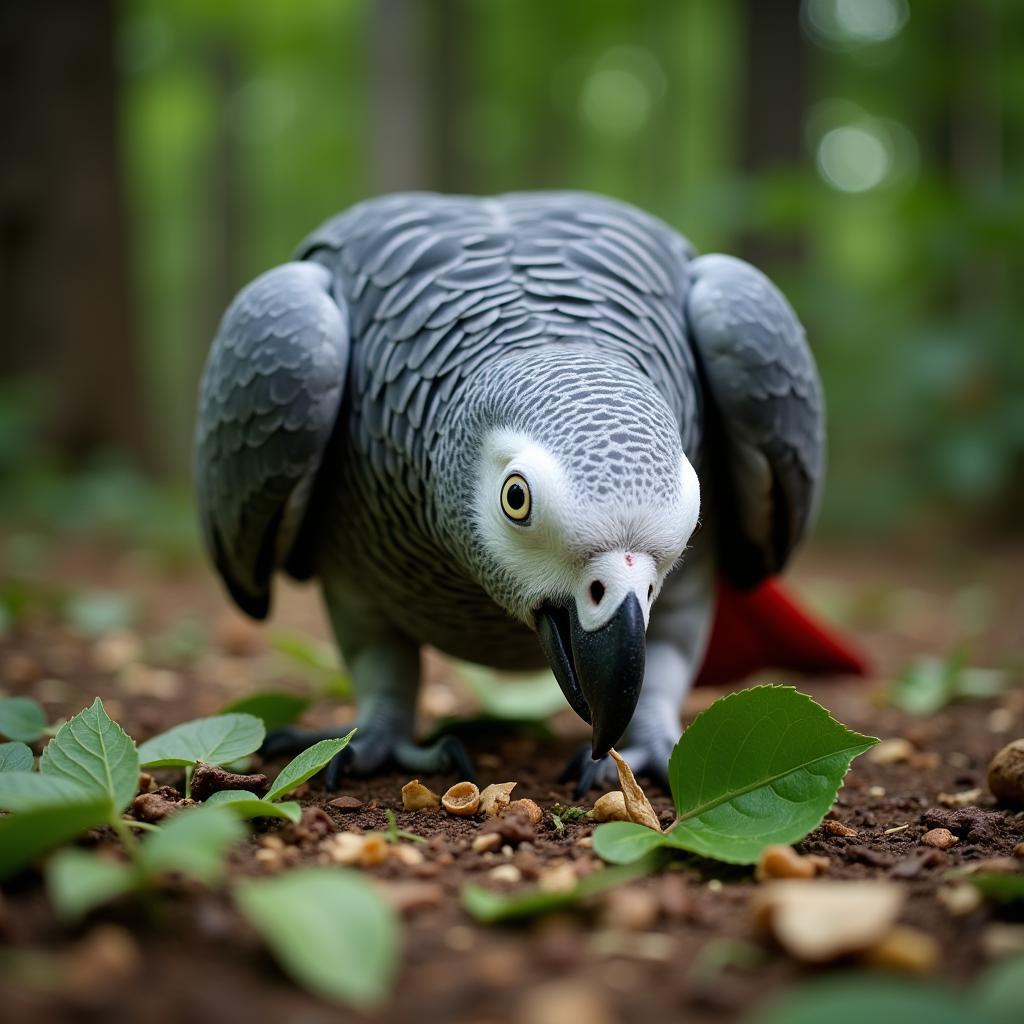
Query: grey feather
[766, 403]
[269, 399]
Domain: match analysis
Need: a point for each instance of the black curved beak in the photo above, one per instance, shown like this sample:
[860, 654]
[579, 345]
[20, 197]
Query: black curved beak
[600, 672]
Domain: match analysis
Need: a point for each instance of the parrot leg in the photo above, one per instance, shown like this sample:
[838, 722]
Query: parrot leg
[384, 666]
[677, 638]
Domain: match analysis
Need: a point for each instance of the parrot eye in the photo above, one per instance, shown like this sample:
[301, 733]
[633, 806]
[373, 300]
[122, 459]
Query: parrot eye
[515, 498]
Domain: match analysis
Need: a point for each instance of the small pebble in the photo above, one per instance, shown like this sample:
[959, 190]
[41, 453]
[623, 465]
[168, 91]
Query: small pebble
[630, 909]
[891, 751]
[346, 803]
[876, 791]
[556, 1002]
[964, 798]
[1006, 774]
[783, 862]
[486, 842]
[940, 838]
[960, 899]
[557, 878]
[508, 874]
[837, 828]
[1018, 851]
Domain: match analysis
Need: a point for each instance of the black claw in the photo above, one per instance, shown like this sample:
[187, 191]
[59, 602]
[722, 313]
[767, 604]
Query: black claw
[589, 776]
[574, 769]
[457, 757]
[285, 741]
[338, 767]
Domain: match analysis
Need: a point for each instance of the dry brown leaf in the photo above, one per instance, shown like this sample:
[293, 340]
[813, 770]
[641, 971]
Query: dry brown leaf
[638, 807]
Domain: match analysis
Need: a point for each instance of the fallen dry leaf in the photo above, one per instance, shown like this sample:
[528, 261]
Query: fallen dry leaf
[817, 922]
[638, 807]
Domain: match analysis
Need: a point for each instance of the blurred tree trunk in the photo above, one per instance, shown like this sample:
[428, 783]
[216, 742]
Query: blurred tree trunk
[418, 73]
[774, 103]
[64, 282]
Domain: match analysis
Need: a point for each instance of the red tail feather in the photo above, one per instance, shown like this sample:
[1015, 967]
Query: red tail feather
[764, 628]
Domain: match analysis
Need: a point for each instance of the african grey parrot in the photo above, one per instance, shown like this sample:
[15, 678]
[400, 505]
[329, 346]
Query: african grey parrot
[490, 425]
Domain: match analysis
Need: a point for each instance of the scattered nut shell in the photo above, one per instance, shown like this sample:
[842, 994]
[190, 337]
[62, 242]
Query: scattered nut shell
[1006, 774]
[905, 949]
[494, 799]
[837, 828]
[407, 854]
[343, 847]
[528, 808]
[638, 807]
[964, 798]
[462, 800]
[891, 751]
[940, 838]
[783, 862]
[558, 878]
[819, 921]
[416, 797]
[486, 842]
[611, 807]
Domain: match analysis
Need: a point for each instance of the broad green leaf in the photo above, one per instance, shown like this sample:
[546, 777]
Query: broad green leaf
[28, 834]
[78, 881]
[220, 739]
[195, 842]
[16, 757]
[272, 708]
[1000, 887]
[758, 767]
[306, 765]
[520, 698]
[249, 805]
[489, 906]
[999, 993]
[96, 753]
[329, 930]
[21, 718]
[865, 997]
[622, 842]
[28, 790]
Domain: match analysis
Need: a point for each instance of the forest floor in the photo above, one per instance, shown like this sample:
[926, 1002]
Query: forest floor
[160, 646]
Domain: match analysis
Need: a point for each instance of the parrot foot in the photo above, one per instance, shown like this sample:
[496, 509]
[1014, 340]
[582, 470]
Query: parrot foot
[370, 750]
[650, 761]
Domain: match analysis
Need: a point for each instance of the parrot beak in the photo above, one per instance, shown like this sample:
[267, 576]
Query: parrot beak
[600, 671]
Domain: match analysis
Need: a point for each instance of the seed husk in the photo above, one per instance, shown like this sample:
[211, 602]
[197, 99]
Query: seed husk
[417, 797]
[638, 807]
[462, 800]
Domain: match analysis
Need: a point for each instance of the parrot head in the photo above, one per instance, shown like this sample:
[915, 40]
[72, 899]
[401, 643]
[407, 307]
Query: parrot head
[582, 502]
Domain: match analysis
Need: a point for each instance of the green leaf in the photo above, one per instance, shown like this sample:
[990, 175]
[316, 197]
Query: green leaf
[520, 699]
[758, 767]
[1000, 887]
[622, 842]
[490, 907]
[28, 834]
[21, 718]
[272, 708]
[195, 842]
[864, 997]
[306, 765]
[78, 881]
[216, 740]
[249, 805]
[96, 753]
[28, 790]
[15, 757]
[319, 661]
[329, 930]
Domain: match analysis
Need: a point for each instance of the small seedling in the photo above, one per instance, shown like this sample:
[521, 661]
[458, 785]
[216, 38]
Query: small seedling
[929, 684]
[315, 660]
[490, 907]
[561, 815]
[759, 767]
[300, 769]
[395, 834]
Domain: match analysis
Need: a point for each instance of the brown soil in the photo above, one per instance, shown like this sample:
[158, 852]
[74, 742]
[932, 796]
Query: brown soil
[189, 957]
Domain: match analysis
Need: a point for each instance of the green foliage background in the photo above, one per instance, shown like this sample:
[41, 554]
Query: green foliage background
[244, 124]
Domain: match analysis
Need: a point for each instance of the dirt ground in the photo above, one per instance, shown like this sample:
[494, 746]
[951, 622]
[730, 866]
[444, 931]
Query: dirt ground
[679, 945]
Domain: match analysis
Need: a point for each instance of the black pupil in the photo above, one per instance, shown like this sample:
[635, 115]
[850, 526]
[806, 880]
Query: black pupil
[516, 497]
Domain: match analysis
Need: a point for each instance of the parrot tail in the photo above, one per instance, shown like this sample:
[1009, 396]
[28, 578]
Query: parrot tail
[765, 628]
